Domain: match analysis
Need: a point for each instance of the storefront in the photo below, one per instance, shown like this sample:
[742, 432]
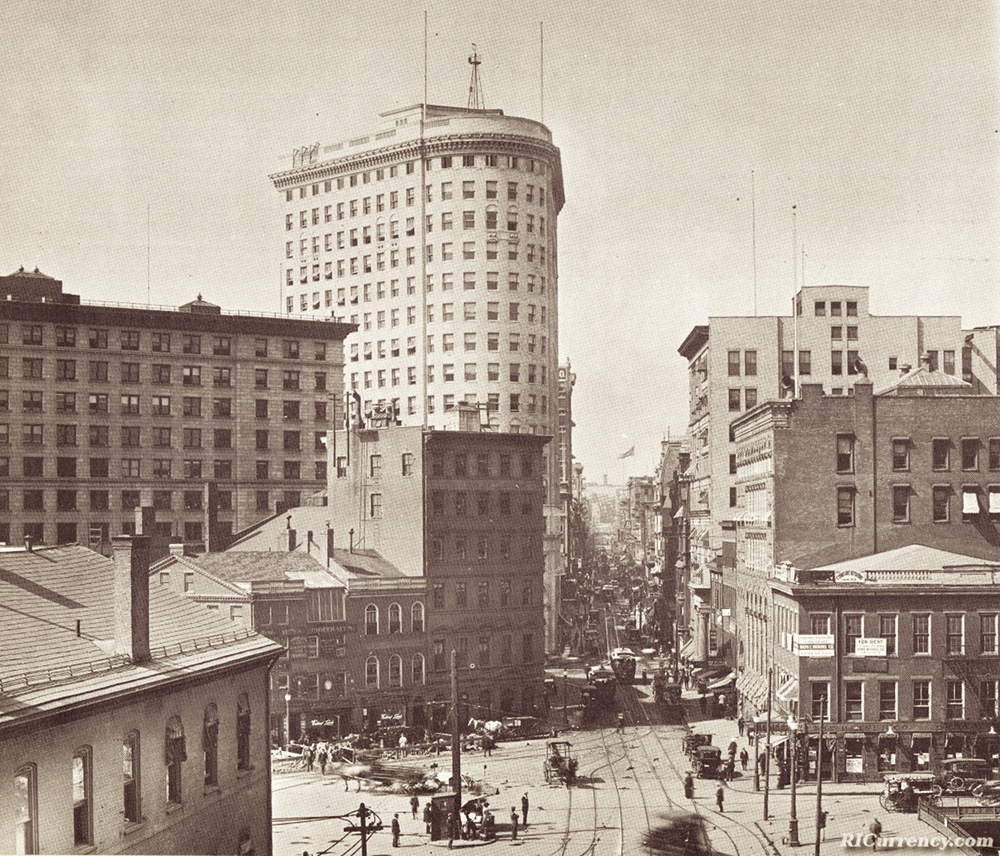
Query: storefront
[921, 746]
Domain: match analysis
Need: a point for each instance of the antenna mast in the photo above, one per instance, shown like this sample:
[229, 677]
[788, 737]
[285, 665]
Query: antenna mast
[476, 101]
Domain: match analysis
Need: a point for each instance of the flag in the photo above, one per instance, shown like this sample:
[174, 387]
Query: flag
[627, 454]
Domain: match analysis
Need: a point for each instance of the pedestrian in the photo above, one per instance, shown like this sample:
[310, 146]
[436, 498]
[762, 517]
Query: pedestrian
[740, 723]
[720, 796]
[322, 761]
[513, 823]
[414, 805]
[730, 768]
[450, 823]
[402, 746]
[621, 723]
[876, 832]
[524, 810]
[395, 830]
[744, 758]
[721, 699]
[310, 757]
[688, 786]
[487, 746]
[704, 704]
[428, 817]
[762, 761]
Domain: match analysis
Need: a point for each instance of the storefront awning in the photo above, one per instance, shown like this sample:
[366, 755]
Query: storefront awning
[778, 739]
[887, 738]
[921, 736]
[687, 648]
[854, 735]
[723, 682]
[789, 690]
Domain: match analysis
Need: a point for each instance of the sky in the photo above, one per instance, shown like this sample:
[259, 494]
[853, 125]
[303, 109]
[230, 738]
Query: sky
[138, 140]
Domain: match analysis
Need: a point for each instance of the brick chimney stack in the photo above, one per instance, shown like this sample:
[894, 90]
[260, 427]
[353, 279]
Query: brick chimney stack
[130, 590]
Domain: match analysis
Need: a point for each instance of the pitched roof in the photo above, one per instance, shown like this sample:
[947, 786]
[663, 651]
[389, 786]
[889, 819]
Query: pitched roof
[57, 634]
[924, 379]
[242, 566]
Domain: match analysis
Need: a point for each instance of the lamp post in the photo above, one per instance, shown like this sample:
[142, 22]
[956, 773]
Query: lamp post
[565, 704]
[820, 817]
[288, 718]
[793, 821]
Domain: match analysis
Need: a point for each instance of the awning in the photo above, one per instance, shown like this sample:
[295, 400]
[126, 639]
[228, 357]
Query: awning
[789, 690]
[778, 739]
[854, 736]
[921, 736]
[994, 500]
[970, 501]
[887, 738]
[722, 682]
[687, 648]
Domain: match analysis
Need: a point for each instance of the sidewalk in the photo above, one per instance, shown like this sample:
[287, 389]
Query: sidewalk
[850, 806]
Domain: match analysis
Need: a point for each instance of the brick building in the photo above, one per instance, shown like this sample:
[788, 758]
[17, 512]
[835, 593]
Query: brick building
[132, 720]
[212, 419]
[462, 510]
[910, 667]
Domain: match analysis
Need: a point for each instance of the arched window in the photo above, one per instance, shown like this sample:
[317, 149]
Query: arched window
[371, 620]
[395, 618]
[130, 778]
[176, 755]
[417, 670]
[395, 671]
[210, 745]
[417, 617]
[26, 809]
[243, 733]
[83, 813]
[371, 673]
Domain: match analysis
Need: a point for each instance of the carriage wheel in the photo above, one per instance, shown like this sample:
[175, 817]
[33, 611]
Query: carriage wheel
[956, 783]
[883, 801]
[936, 791]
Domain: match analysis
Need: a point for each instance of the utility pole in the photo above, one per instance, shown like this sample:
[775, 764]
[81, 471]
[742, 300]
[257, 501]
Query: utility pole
[793, 819]
[362, 817]
[456, 736]
[820, 816]
[767, 745]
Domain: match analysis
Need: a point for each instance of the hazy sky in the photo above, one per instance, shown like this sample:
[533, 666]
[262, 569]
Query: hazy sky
[879, 120]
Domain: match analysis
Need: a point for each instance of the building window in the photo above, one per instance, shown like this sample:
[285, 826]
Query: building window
[820, 698]
[954, 634]
[921, 699]
[854, 701]
[417, 670]
[734, 401]
[210, 745]
[940, 453]
[819, 308]
[988, 633]
[371, 620]
[940, 500]
[887, 625]
[922, 633]
[805, 362]
[26, 809]
[887, 708]
[901, 454]
[395, 671]
[733, 359]
[901, 503]
[845, 453]
[970, 453]
[243, 731]
[407, 463]
[371, 673]
[845, 506]
[954, 700]
[970, 502]
[83, 812]
[854, 629]
[819, 623]
[375, 466]
[837, 362]
[417, 618]
[395, 618]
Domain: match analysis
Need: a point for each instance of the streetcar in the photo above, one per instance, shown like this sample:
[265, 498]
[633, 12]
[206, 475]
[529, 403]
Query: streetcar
[560, 765]
[623, 664]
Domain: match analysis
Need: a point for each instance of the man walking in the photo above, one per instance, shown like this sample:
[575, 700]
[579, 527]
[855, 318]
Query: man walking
[744, 758]
[739, 724]
[720, 796]
[621, 723]
[414, 805]
[513, 823]
[395, 830]
[524, 810]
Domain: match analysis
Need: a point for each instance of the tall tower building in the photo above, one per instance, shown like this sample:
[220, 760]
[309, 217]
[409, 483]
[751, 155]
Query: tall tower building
[435, 234]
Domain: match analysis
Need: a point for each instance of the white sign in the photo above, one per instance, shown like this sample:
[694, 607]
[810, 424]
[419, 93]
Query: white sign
[812, 644]
[870, 647]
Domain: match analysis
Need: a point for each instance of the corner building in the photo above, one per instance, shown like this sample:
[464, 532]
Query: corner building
[436, 235]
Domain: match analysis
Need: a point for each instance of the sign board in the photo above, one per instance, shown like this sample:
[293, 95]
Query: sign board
[812, 644]
[849, 576]
[870, 647]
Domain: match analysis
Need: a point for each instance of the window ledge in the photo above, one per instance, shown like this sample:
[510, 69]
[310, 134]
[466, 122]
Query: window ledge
[174, 806]
[85, 848]
[133, 826]
[211, 789]
[242, 774]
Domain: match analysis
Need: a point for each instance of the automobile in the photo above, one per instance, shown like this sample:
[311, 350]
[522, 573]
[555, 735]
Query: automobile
[708, 762]
[962, 775]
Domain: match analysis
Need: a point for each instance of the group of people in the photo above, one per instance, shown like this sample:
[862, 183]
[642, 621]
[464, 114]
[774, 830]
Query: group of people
[466, 825]
[319, 755]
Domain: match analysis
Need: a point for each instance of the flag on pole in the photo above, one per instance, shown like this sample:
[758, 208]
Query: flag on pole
[627, 454]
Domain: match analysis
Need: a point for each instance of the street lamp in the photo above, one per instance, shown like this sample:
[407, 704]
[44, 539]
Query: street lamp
[565, 704]
[793, 821]
[288, 718]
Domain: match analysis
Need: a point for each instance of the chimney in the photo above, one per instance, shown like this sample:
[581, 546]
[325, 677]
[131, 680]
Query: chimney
[350, 533]
[329, 544]
[130, 590]
[28, 542]
[309, 542]
[177, 550]
[291, 538]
